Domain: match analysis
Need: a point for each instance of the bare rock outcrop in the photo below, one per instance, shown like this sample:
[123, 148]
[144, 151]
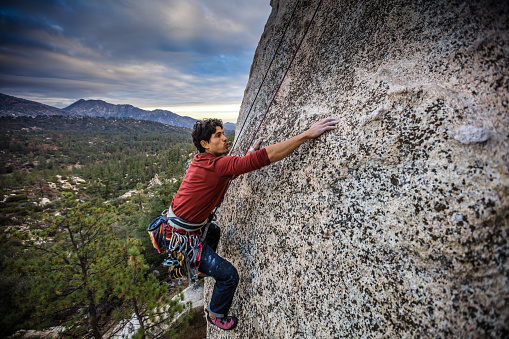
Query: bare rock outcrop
[396, 223]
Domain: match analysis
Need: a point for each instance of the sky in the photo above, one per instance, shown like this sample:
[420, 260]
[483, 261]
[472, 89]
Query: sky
[189, 56]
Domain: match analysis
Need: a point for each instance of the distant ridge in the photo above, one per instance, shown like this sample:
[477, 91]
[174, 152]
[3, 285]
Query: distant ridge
[99, 108]
[11, 106]
[16, 107]
[229, 125]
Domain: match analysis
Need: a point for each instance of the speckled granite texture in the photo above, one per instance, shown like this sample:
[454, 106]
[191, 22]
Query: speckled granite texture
[395, 225]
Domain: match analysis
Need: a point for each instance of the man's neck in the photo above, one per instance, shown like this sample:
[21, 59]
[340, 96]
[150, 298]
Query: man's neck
[216, 155]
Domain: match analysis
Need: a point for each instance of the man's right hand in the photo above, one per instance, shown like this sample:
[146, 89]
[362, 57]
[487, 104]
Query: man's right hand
[318, 128]
[279, 151]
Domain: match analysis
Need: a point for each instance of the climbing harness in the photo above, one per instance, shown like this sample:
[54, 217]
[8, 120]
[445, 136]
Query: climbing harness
[284, 76]
[182, 241]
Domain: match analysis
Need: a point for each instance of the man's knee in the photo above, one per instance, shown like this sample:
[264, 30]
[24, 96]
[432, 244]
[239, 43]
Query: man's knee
[234, 276]
[229, 275]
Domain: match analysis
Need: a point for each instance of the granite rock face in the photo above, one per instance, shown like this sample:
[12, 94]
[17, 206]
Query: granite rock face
[389, 226]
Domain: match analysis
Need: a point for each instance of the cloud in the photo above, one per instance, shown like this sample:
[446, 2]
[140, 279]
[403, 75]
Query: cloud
[147, 53]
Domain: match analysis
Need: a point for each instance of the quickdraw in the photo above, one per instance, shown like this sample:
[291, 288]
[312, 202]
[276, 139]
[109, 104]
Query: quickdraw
[196, 247]
[178, 242]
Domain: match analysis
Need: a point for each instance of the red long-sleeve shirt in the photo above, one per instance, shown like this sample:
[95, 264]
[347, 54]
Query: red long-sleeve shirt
[206, 182]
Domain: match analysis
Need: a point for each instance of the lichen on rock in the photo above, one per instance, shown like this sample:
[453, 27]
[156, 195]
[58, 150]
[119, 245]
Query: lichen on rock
[387, 229]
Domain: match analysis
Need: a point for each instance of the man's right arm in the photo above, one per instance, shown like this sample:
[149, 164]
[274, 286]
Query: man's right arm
[281, 150]
[253, 161]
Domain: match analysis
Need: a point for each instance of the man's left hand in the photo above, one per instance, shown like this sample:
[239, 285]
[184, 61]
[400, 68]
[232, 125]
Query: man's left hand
[257, 142]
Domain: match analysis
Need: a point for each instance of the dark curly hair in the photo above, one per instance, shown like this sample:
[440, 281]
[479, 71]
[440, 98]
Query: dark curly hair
[203, 130]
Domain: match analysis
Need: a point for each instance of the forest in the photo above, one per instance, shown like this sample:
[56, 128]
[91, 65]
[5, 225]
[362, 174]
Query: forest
[76, 196]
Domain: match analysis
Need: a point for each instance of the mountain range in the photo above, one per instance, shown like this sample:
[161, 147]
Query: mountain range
[13, 106]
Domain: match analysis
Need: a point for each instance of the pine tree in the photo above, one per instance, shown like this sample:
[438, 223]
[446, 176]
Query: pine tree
[144, 296]
[73, 254]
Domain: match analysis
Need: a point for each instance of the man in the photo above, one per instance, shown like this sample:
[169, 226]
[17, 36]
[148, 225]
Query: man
[203, 187]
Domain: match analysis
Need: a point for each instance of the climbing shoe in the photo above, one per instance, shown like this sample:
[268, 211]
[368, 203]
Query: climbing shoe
[226, 323]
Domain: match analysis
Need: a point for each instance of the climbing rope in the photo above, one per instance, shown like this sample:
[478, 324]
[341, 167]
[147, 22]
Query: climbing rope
[284, 76]
[275, 93]
[267, 72]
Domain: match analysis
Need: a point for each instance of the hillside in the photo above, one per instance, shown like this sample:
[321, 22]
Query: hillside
[55, 142]
[395, 224]
[15, 107]
[87, 124]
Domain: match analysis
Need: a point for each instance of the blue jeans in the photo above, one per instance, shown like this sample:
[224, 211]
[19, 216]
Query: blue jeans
[221, 270]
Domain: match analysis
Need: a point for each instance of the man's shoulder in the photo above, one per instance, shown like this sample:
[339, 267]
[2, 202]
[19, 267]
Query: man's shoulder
[206, 161]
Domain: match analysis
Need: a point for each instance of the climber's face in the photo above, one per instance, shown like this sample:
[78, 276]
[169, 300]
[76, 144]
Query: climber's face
[217, 144]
